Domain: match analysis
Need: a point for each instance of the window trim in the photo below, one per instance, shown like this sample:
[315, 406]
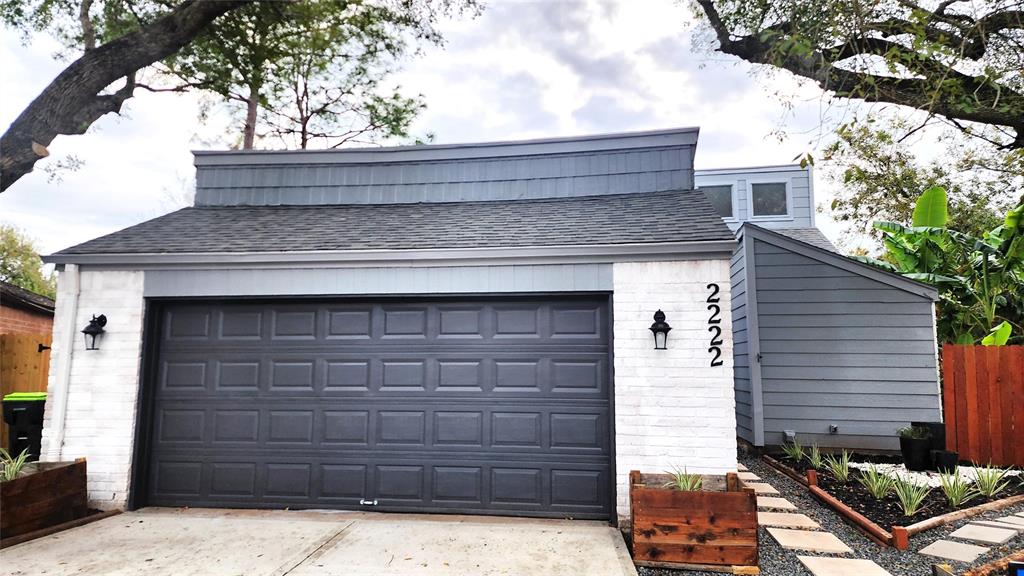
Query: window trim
[767, 179]
[733, 184]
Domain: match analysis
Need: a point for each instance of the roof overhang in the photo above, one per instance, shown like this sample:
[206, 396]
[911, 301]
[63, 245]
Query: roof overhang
[652, 251]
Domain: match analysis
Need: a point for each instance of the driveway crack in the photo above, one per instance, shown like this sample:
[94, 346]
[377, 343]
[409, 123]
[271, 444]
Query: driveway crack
[321, 549]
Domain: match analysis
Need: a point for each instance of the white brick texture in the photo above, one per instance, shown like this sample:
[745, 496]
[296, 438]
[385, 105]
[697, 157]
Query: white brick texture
[672, 409]
[104, 384]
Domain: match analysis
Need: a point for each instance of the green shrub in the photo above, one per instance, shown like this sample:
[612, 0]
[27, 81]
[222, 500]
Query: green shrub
[915, 432]
[684, 481]
[911, 495]
[878, 484]
[794, 450]
[957, 489]
[814, 457]
[990, 480]
[11, 467]
[839, 467]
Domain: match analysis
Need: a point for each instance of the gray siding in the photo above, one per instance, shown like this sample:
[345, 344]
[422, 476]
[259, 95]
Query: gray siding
[801, 195]
[645, 162]
[741, 347]
[407, 280]
[841, 349]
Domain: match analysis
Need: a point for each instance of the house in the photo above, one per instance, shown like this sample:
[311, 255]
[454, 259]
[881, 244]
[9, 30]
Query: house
[24, 312]
[440, 328]
[826, 348]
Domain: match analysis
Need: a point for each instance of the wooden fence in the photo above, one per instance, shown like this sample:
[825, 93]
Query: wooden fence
[983, 401]
[23, 368]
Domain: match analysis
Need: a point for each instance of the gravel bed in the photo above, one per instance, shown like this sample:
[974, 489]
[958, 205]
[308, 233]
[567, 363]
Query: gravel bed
[775, 561]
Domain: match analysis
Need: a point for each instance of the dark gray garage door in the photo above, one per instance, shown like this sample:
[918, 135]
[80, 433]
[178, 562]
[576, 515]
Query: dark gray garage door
[475, 406]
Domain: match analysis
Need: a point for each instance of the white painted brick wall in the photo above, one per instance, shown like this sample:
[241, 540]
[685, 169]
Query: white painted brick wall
[100, 421]
[671, 407]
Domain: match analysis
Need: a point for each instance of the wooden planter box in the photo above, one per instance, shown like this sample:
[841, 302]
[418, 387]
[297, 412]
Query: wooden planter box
[53, 494]
[716, 527]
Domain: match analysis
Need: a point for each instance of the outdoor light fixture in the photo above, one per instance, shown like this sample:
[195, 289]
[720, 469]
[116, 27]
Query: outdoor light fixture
[660, 329]
[94, 331]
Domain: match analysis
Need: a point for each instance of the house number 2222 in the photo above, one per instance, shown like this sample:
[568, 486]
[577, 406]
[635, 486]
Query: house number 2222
[714, 324]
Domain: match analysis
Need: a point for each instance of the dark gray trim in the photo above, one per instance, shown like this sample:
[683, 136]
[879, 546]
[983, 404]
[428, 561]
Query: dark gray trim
[545, 146]
[753, 341]
[151, 315]
[840, 261]
[459, 256]
[613, 475]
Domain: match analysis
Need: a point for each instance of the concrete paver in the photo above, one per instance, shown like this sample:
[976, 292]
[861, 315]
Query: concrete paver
[747, 476]
[983, 534]
[741, 467]
[273, 543]
[1015, 519]
[953, 550]
[823, 566]
[761, 487]
[997, 524]
[810, 541]
[772, 503]
[786, 520]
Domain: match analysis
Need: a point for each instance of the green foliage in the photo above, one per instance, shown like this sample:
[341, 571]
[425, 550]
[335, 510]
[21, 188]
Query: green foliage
[20, 263]
[999, 335]
[914, 432]
[684, 481]
[10, 466]
[878, 484]
[990, 480]
[814, 457]
[957, 489]
[930, 209]
[911, 495]
[979, 279]
[839, 467]
[794, 450]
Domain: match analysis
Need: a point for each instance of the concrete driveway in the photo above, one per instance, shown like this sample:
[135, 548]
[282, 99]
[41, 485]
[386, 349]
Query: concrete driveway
[255, 543]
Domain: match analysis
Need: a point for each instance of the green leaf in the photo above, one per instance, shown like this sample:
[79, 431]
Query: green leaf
[966, 339]
[931, 208]
[998, 336]
[933, 278]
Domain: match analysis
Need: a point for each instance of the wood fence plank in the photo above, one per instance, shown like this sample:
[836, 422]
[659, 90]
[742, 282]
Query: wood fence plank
[995, 399]
[949, 395]
[971, 393]
[1017, 436]
[981, 375]
[963, 445]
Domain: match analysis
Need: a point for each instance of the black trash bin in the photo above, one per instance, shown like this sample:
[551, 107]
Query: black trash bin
[23, 414]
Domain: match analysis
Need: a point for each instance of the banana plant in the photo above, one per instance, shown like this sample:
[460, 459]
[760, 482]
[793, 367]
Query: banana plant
[980, 280]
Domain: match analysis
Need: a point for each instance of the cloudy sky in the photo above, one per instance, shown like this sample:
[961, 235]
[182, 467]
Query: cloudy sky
[520, 70]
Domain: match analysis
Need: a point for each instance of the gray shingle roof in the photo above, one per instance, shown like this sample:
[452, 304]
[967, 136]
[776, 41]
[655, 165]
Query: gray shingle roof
[677, 216]
[811, 236]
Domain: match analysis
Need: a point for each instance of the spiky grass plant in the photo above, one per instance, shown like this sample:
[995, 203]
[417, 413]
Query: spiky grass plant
[839, 467]
[911, 495]
[878, 484]
[684, 481]
[990, 480]
[957, 489]
[814, 457]
[10, 467]
[794, 450]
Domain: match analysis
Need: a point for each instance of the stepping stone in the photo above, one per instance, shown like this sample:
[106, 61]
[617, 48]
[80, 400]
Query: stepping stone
[984, 534]
[1016, 520]
[953, 550]
[810, 541]
[761, 488]
[824, 566]
[1021, 514]
[776, 503]
[784, 520]
[997, 524]
[749, 476]
[741, 467]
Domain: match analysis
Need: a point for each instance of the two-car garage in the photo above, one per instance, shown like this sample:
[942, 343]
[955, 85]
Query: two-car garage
[492, 405]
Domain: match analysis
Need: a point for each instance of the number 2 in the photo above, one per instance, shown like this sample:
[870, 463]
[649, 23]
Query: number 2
[713, 297]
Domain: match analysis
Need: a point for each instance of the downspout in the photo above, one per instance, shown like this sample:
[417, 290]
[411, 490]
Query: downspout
[57, 397]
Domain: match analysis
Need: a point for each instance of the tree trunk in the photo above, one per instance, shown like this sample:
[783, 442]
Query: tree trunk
[252, 106]
[74, 100]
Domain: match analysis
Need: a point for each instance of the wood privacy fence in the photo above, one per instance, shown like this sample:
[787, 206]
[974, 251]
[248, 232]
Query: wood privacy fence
[983, 401]
[23, 368]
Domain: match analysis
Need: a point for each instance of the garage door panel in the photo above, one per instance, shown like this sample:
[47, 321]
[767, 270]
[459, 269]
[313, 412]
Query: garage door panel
[473, 406]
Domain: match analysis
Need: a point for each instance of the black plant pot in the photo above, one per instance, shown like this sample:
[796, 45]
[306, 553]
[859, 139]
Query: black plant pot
[945, 461]
[938, 432]
[916, 454]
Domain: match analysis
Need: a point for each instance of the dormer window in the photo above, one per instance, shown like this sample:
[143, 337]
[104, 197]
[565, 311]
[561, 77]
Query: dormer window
[769, 199]
[720, 197]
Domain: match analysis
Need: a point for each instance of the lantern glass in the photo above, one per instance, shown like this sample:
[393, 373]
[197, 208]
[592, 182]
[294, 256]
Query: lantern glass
[660, 339]
[660, 329]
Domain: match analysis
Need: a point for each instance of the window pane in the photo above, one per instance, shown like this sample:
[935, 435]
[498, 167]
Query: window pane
[721, 199]
[769, 199]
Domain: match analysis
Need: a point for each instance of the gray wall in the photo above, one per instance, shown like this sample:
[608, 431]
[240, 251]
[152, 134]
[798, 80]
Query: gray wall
[613, 164]
[841, 348]
[741, 347]
[801, 193]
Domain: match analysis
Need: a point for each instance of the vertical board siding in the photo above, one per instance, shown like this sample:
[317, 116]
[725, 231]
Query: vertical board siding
[584, 173]
[741, 347]
[23, 368]
[983, 399]
[840, 349]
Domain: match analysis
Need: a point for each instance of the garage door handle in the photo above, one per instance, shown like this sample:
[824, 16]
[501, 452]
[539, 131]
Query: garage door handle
[368, 502]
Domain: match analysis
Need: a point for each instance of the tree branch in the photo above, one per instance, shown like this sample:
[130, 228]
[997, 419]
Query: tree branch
[74, 100]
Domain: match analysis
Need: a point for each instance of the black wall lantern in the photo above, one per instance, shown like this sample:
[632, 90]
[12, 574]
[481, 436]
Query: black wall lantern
[94, 332]
[660, 329]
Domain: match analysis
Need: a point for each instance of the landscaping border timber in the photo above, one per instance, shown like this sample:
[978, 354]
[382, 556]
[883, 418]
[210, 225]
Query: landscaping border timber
[14, 540]
[997, 567]
[873, 531]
